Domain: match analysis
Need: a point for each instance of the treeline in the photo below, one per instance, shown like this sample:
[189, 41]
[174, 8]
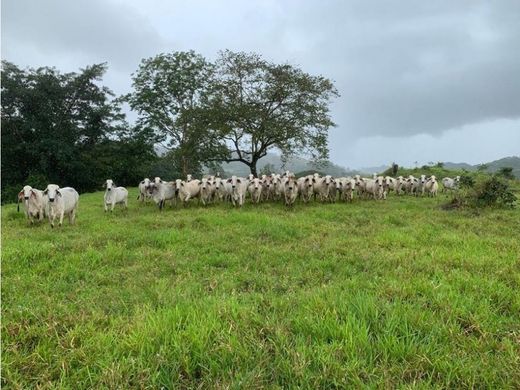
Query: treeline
[68, 128]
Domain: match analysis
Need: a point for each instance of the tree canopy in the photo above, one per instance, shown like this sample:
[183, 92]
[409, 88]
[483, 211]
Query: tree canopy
[258, 106]
[65, 128]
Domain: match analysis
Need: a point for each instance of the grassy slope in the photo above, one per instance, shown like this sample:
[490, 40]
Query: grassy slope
[380, 293]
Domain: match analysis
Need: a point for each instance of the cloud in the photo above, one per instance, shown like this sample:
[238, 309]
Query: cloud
[93, 30]
[408, 71]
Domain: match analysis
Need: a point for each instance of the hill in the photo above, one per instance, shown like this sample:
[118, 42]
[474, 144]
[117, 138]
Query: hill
[295, 164]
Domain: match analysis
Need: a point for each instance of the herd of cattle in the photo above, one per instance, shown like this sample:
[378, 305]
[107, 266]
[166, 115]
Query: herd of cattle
[56, 202]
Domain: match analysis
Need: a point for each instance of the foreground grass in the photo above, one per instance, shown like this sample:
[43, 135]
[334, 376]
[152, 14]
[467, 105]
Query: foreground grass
[384, 294]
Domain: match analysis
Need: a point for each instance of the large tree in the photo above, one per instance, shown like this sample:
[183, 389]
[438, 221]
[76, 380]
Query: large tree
[65, 128]
[258, 106]
[170, 91]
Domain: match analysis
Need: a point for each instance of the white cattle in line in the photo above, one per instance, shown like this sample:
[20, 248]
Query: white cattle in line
[347, 189]
[220, 190]
[189, 190]
[290, 191]
[238, 188]
[305, 187]
[432, 186]
[33, 202]
[61, 201]
[374, 187]
[399, 185]
[276, 188]
[322, 187]
[162, 192]
[207, 191]
[143, 190]
[255, 189]
[388, 185]
[450, 184]
[114, 195]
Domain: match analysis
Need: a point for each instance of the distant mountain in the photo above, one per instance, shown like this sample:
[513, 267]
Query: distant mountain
[371, 170]
[493, 166]
[295, 164]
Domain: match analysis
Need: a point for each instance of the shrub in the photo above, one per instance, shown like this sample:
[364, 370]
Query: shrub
[487, 192]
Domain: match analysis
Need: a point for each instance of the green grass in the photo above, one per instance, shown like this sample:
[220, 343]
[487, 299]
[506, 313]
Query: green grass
[378, 294]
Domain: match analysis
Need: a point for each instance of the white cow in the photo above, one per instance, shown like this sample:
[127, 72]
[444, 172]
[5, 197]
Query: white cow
[189, 190]
[322, 187]
[237, 186]
[33, 202]
[61, 201]
[207, 191]
[432, 186]
[305, 187]
[114, 195]
[143, 190]
[290, 191]
[374, 187]
[348, 189]
[162, 191]
[220, 190]
[450, 184]
[255, 189]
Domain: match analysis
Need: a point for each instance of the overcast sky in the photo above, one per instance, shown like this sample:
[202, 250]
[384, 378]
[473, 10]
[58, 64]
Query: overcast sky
[419, 80]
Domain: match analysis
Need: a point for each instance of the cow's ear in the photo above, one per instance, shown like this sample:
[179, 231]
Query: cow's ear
[228, 180]
[33, 194]
[239, 181]
[20, 195]
[182, 184]
[200, 183]
[58, 192]
[45, 191]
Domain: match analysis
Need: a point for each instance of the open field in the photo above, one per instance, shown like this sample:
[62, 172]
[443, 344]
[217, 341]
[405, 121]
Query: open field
[381, 294]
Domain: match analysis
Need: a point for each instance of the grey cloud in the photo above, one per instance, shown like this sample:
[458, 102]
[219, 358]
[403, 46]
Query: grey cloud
[95, 30]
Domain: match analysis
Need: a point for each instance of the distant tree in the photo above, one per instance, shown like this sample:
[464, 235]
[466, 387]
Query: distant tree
[169, 94]
[482, 167]
[267, 169]
[506, 172]
[258, 106]
[395, 168]
[65, 128]
[440, 164]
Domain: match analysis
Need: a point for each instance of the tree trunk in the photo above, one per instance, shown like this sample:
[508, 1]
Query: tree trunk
[252, 168]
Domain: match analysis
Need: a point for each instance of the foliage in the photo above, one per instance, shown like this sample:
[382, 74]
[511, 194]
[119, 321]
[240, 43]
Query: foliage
[506, 172]
[482, 167]
[64, 129]
[169, 97]
[258, 106]
[394, 294]
[485, 191]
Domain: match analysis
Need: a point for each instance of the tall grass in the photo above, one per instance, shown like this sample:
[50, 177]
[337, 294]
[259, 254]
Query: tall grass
[378, 294]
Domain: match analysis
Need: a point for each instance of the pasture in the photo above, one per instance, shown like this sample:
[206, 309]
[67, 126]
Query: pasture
[380, 294]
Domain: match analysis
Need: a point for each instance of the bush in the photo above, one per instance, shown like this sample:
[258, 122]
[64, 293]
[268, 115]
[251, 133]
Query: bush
[487, 192]
[495, 191]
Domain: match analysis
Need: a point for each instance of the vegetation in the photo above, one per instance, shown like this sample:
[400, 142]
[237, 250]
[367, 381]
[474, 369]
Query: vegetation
[170, 96]
[65, 128]
[259, 106]
[371, 294]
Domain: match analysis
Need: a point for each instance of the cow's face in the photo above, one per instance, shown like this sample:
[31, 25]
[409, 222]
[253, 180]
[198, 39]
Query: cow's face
[52, 191]
[27, 192]
[109, 184]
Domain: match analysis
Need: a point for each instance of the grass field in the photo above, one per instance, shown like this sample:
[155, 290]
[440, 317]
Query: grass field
[378, 294]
